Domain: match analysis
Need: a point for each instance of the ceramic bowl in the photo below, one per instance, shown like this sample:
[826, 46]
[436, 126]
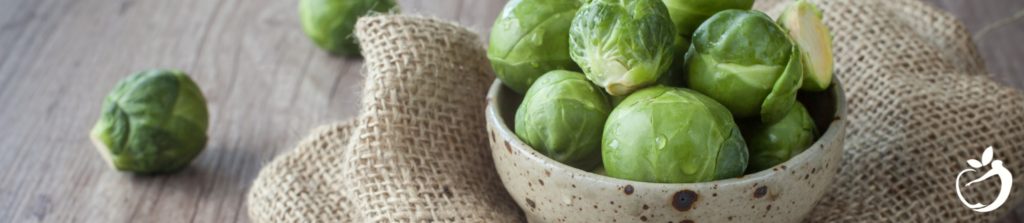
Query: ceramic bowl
[549, 191]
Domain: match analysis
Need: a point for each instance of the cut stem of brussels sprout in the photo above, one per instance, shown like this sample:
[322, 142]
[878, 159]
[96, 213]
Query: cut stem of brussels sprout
[803, 23]
[103, 149]
[613, 74]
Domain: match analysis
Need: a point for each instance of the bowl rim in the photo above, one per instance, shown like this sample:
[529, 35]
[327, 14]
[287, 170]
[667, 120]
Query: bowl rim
[831, 133]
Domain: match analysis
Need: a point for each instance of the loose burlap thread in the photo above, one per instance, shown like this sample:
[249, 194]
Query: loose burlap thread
[919, 105]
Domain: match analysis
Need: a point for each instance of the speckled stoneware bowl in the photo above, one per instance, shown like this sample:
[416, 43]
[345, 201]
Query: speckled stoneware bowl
[549, 191]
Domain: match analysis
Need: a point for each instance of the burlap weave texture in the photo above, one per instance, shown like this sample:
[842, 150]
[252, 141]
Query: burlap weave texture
[920, 105]
[919, 98]
[416, 152]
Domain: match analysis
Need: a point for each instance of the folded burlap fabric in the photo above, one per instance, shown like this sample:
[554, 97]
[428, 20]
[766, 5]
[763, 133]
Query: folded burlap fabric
[416, 153]
[920, 105]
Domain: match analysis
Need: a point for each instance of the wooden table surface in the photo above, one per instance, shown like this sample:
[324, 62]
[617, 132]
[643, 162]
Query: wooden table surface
[266, 85]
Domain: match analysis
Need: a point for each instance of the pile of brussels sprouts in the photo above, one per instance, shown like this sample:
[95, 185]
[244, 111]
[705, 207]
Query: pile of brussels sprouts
[667, 91]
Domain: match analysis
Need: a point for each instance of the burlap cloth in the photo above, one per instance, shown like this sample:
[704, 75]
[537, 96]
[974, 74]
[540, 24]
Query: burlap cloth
[920, 105]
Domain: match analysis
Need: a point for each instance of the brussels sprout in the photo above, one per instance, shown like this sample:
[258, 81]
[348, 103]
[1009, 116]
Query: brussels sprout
[152, 122]
[803, 23]
[562, 116]
[530, 38]
[745, 61]
[689, 14]
[329, 23]
[622, 46]
[672, 135]
[772, 144]
[676, 74]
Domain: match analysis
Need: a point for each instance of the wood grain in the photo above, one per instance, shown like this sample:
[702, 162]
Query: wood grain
[265, 83]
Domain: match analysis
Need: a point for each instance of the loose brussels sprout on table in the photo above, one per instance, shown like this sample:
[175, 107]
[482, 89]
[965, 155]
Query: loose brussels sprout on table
[562, 116]
[329, 23]
[152, 122]
[530, 38]
[745, 61]
[622, 46]
[689, 14]
[772, 144]
[672, 135]
[803, 23]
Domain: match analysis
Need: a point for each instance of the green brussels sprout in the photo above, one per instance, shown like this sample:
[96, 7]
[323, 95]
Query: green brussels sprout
[676, 74]
[330, 23]
[562, 116]
[622, 46]
[530, 38]
[689, 14]
[152, 122]
[745, 61]
[672, 135]
[772, 144]
[802, 21]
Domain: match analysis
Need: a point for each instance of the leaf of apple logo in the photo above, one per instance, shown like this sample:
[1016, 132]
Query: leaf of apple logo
[1006, 180]
[974, 163]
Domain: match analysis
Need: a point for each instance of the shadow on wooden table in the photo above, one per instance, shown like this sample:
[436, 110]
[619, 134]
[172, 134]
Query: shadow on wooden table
[208, 186]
